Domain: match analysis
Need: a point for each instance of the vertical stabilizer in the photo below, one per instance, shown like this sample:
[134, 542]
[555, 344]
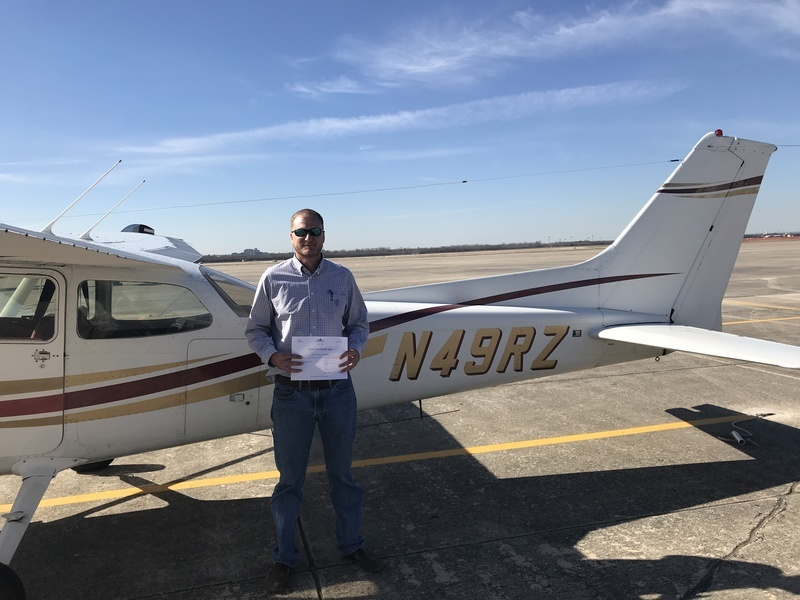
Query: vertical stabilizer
[688, 235]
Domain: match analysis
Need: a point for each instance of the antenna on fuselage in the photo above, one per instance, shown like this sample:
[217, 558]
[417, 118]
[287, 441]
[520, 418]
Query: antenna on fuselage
[85, 235]
[49, 227]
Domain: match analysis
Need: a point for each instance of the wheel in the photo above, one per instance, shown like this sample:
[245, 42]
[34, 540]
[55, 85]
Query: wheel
[11, 587]
[93, 467]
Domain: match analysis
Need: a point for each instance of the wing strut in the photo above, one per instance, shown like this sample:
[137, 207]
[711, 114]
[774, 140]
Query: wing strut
[36, 475]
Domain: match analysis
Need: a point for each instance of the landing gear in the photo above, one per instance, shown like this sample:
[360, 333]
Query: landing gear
[36, 474]
[11, 587]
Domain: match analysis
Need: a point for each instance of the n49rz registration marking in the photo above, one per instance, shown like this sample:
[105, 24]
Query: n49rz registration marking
[484, 348]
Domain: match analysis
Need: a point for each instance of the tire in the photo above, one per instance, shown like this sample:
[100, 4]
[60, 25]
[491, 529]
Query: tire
[11, 587]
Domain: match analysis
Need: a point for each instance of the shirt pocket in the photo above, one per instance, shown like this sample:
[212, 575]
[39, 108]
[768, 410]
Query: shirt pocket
[338, 299]
[287, 304]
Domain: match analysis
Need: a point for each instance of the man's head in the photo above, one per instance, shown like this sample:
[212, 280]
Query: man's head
[307, 246]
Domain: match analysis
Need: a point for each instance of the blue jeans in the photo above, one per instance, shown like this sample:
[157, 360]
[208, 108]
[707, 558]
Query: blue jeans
[295, 414]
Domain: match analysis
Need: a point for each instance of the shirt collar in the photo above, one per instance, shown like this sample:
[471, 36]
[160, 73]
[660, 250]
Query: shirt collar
[302, 270]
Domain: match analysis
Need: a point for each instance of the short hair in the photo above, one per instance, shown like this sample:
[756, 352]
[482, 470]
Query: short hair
[307, 212]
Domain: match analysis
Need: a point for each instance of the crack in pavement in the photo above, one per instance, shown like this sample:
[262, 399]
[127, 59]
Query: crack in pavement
[312, 567]
[707, 579]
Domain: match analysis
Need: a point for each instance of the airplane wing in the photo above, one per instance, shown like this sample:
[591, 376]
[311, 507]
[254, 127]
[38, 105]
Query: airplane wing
[145, 242]
[19, 245]
[704, 341]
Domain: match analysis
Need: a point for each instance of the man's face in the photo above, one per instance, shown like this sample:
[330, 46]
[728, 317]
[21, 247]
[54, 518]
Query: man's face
[310, 246]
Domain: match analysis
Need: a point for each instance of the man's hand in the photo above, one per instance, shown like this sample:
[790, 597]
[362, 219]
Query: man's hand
[286, 361]
[350, 360]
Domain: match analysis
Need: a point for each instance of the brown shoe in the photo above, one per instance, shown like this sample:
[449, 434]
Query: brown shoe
[278, 578]
[366, 560]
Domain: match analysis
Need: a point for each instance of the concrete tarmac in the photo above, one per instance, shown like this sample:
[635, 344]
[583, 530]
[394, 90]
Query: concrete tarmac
[624, 482]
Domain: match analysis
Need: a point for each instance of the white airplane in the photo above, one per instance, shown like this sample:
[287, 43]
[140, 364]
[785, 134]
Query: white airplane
[124, 344]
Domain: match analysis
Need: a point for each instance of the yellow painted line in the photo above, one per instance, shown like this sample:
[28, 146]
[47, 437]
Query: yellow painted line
[386, 460]
[761, 320]
[565, 439]
[740, 303]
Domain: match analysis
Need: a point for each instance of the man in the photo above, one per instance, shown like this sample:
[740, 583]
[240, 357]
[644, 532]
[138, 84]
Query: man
[309, 295]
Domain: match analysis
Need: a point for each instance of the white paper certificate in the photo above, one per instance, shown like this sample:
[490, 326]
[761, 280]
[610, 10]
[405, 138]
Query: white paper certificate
[320, 356]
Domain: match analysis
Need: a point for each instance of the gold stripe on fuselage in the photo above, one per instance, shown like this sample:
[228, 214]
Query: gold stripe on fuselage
[203, 393]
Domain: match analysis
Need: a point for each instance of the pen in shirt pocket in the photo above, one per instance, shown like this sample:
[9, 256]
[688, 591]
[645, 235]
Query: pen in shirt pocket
[336, 299]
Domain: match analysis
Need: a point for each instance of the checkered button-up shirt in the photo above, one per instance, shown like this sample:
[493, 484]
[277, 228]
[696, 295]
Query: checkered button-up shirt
[292, 301]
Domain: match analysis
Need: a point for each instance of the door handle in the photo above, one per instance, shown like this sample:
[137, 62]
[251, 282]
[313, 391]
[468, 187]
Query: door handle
[41, 355]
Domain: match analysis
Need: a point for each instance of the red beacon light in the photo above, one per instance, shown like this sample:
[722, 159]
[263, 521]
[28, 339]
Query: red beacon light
[718, 133]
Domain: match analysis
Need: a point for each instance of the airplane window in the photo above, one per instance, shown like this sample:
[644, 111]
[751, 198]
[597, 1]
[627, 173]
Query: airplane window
[28, 307]
[118, 309]
[237, 294]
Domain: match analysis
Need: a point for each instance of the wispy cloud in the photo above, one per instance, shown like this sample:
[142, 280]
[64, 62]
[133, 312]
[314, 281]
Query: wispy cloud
[761, 17]
[501, 108]
[459, 53]
[452, 52]
[342, 85]
[419, 154]
[13, 178]
[42, 172]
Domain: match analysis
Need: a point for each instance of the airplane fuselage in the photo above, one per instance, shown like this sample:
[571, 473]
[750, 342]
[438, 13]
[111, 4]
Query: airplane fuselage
[134, 361]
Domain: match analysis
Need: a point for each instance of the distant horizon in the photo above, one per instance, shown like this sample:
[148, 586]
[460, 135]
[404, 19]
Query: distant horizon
[361, 252]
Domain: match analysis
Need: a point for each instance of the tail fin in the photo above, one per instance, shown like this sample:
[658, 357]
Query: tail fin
[689, 234]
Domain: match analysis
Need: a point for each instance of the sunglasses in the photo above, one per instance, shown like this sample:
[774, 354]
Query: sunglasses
[315, 231]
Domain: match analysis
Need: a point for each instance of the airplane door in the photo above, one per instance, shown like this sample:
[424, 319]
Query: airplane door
[222, 396]
[32, 363]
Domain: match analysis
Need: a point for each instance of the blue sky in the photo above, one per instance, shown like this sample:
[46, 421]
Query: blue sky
[561, 117]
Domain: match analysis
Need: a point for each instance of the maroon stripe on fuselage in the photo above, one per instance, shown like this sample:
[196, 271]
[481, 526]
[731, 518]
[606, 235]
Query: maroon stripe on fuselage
[714, 188]
[413, 315]
[160, 383]
[32, 406]
[123, 391]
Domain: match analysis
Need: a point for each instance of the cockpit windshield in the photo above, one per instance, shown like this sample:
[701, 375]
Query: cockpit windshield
[237, 294]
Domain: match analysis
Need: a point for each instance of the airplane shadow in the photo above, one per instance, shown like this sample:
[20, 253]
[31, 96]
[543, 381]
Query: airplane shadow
[446, 529]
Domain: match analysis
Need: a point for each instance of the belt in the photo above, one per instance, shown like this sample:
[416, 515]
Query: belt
[313, 384]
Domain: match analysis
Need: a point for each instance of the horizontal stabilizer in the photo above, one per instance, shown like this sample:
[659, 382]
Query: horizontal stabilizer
[704, 341]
